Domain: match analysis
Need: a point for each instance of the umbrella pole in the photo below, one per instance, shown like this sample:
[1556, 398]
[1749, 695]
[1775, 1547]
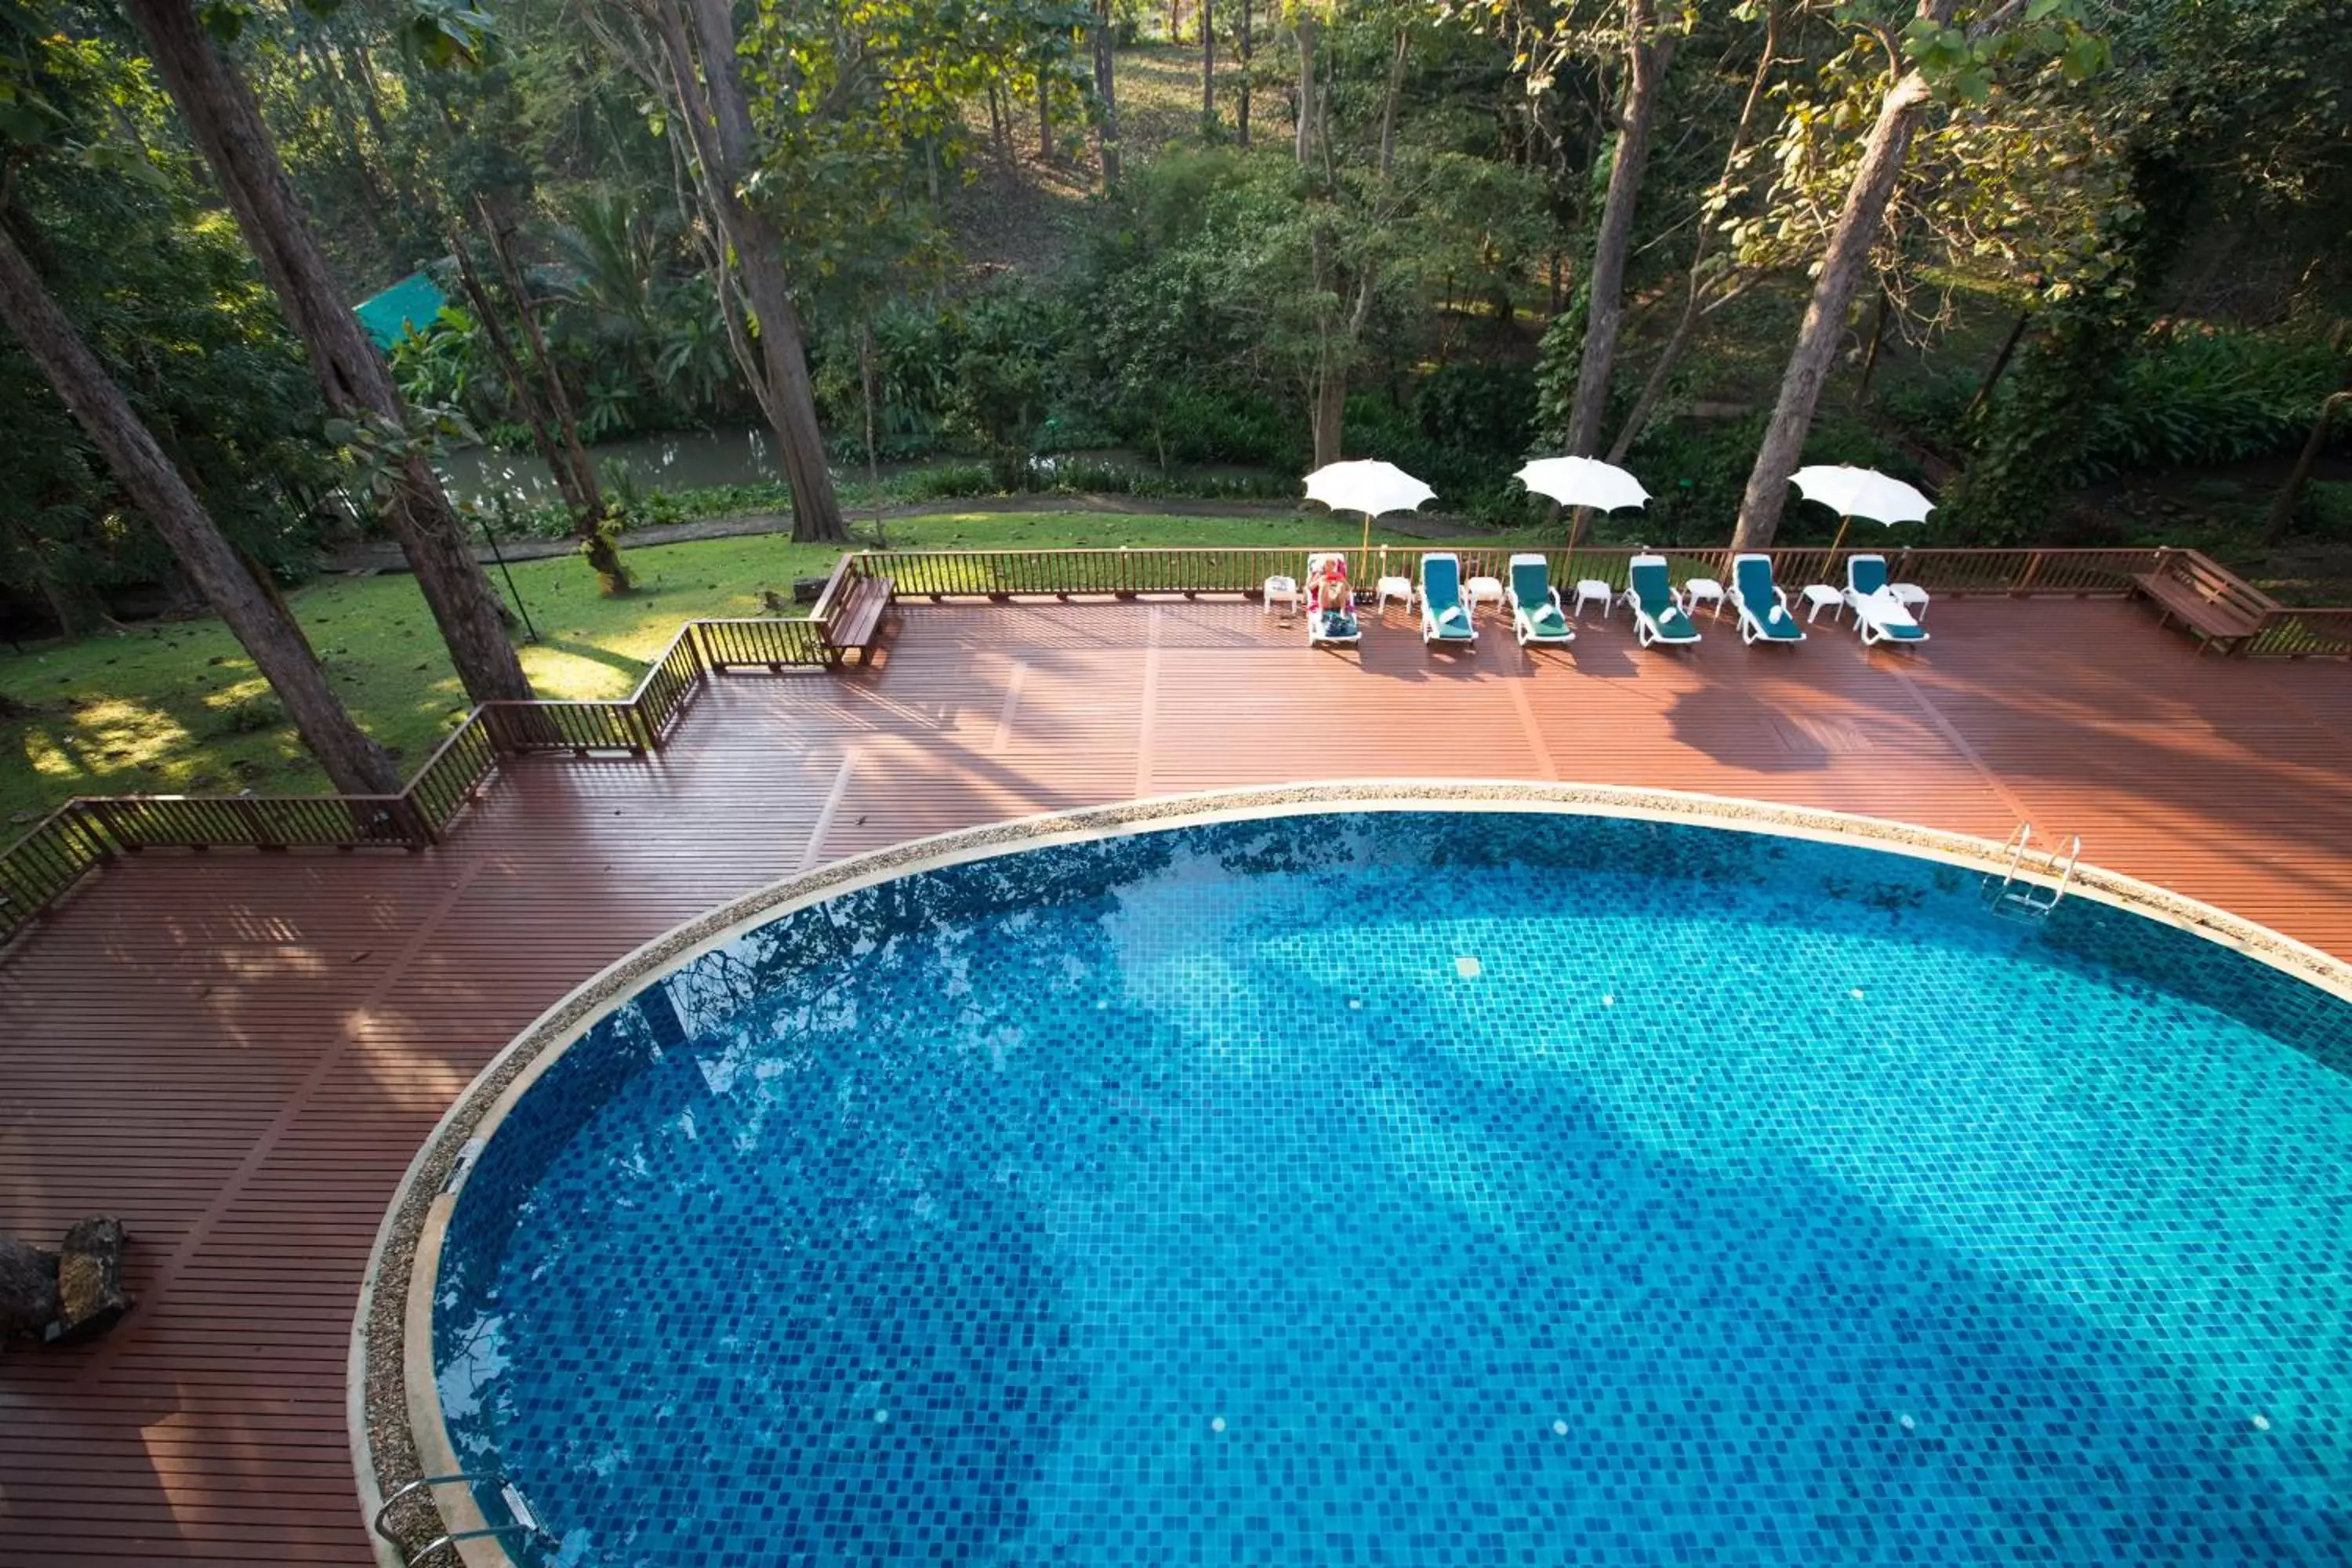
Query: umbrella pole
[1575, 527]
[1844, 522]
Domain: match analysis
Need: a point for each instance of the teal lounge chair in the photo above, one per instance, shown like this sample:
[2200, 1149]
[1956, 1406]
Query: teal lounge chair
[1879, 610]
[1762, 603]
[1443, 617]
[1536, 615]
[1657, 615]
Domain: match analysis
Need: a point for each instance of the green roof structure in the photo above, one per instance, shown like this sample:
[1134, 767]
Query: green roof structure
[413, 301]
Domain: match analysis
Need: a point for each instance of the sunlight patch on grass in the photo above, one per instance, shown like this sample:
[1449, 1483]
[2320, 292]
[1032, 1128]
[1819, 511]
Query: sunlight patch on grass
[123, 734]
[230, 696]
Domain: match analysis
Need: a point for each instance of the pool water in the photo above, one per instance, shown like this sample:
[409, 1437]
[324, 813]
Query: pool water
[1426, 1189]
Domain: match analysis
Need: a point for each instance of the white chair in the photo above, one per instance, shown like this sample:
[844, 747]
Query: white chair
[1588, 589]
[1477, 590]
[1881, 619]
[1708, 588]
[1398, 588]
[1282, 593]
[1820, 596]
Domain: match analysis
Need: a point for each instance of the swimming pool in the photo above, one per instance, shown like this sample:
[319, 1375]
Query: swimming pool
[1438, 1187]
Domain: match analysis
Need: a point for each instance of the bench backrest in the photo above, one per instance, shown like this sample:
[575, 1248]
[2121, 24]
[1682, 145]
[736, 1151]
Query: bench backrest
[2216, 585]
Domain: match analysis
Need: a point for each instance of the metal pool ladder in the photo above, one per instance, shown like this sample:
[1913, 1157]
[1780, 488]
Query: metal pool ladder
[2017, 898]
[526, 1524]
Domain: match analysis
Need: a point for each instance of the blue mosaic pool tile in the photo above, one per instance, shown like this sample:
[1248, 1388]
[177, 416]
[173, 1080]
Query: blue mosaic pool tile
[1427, 1189]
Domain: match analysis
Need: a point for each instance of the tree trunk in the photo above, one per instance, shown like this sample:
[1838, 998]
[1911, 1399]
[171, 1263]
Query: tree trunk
[1242, 109]
[1388, 104]
[1208, 63]
[227, 126]
[1877, 342]
[709, 88]
[1646, 58]
[559, 397]
[2000, 367]
[1106, 92]
[526, 400]
[1874, 179]
[1305, 29]
[1694, 303]
[1044, 117]
[1331, 405]
[2290, 495]
[355, 763]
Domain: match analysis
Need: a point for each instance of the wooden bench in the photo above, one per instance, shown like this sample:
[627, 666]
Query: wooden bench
[2219, 607]
[853, 615]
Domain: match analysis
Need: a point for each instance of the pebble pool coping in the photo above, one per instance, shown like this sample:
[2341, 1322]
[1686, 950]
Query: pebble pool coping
[396, 1426]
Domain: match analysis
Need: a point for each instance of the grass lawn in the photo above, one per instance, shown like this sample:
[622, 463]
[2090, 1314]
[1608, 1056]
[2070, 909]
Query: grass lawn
[177, 708]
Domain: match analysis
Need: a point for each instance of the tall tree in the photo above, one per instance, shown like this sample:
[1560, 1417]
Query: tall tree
[1208, 63]
[1931, 58]
[1305, 27]
[704, 83]
[261, 621]
[1647, 53]
[1242, 77]
[226, 123]
[1710, 284]
[1105, 40]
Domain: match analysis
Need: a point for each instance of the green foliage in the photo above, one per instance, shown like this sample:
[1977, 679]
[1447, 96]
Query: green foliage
[1007, 374]
[152, 274]
[2194, 395]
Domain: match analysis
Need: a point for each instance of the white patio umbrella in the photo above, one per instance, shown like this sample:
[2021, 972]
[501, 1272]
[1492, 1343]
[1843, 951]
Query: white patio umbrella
[1369, 486]
[1860, 492]
[1583, 482]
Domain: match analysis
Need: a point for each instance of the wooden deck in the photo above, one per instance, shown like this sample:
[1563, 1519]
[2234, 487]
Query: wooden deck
[238, 1053]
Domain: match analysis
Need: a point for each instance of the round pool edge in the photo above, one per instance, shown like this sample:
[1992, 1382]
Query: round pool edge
[393, 1406]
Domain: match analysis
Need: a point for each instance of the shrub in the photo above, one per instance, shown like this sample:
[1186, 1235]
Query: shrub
[2195, 396]
[253, 715]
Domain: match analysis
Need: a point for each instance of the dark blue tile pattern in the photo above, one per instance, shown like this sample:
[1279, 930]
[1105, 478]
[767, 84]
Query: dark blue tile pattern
[1426, 1190]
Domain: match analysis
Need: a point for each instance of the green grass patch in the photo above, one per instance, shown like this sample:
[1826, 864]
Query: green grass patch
[177, 707]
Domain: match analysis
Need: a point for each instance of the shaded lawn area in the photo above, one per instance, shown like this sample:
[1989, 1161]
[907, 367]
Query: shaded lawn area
[177, 708]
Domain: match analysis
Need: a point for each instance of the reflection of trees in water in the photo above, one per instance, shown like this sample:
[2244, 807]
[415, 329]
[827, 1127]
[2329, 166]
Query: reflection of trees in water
[824, 1219]
[921, 1104]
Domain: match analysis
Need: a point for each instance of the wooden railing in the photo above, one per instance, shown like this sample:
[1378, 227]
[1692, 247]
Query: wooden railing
[2291, 632]
[757, 645]
[1004, 573]
[88, 831]
[455, 773]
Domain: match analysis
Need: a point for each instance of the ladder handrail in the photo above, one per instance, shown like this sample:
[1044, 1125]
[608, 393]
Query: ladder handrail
[2017, 892]
[525, 1519]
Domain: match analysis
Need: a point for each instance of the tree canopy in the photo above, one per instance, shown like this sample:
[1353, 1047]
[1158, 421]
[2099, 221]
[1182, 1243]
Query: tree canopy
[2110, 243]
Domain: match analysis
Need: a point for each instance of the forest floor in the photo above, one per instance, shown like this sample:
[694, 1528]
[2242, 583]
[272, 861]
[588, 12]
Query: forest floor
[1021, 210]
[177, 707]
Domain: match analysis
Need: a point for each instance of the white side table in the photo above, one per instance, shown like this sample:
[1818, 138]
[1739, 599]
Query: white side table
[1820, 596]
[1590, 588]
[1912, 597]
[1398, 588]
[1480, 591]
[1282, 593]
[1699, 588]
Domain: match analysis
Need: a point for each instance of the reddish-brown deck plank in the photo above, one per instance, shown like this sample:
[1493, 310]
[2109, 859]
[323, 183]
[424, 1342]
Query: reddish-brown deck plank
[239, 1053]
